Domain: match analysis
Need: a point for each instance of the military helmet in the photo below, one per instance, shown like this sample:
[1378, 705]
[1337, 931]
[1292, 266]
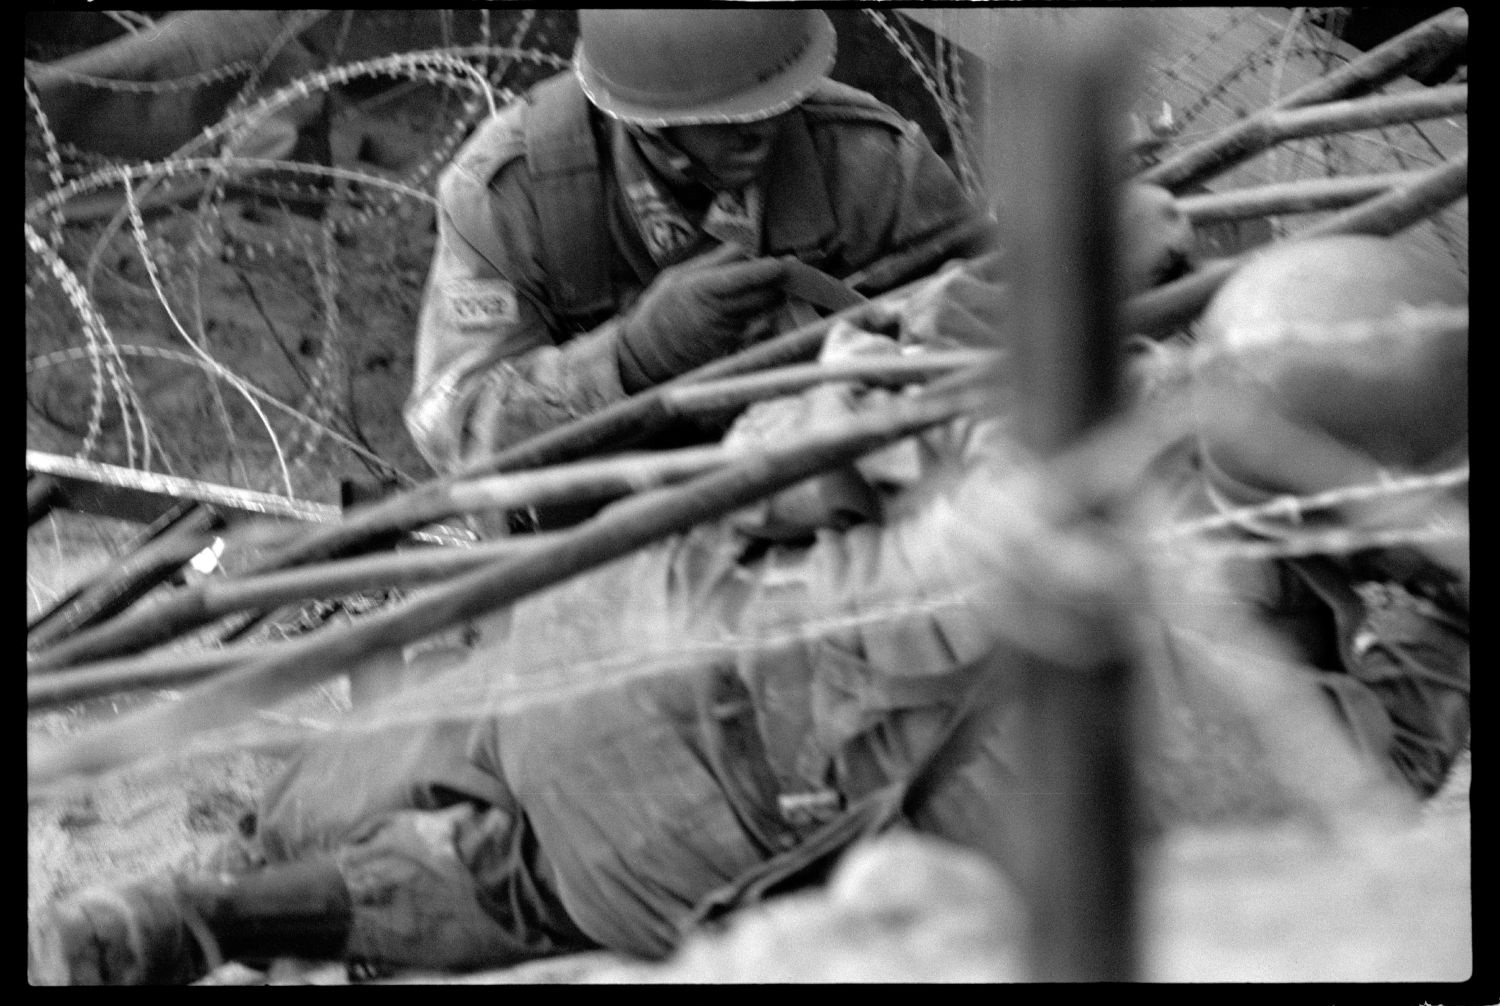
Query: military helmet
[1293, 396]
[680, 67]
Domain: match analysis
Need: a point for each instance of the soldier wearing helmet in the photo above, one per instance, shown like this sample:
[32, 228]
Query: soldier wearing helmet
[1307, 395]
[623, 223]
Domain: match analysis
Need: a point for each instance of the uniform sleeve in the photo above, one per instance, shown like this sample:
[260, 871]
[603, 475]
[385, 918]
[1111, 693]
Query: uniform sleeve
[889, 189]
[493, 366]
[929, 196]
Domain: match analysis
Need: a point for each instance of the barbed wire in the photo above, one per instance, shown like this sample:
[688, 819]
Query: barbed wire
[96, 331]
[172, 167]
[950, 115]
[54, 161]
[430, 65]
[1175, 364]
[76, 354]
[1333, 542]
[138, 229]
[380, 194]
[1174, 71]
[1296, 508]
[523, 26]
[37, 70]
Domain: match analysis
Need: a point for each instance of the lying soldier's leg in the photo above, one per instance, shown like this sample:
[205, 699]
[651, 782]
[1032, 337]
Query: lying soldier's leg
[381, 842]
[451, 889]
[173, 930]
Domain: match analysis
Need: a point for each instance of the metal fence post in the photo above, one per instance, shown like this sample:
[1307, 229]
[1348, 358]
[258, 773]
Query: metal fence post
[1058, 104]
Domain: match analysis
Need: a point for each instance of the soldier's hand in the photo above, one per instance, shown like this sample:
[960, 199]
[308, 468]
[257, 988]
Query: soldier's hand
[695, 312]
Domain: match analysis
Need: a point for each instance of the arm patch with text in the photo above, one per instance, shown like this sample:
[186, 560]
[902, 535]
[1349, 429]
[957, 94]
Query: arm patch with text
[481, 303]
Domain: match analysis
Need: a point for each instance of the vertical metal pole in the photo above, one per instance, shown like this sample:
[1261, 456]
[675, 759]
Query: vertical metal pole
[1060, 107]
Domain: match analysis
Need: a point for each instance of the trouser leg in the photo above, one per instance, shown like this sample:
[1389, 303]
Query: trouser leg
[287, 910]
[445, 889]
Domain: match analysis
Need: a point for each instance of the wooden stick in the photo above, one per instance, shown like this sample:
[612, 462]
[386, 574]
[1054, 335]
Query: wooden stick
[888, 371]
[164, 670]
[1276, 126]
[1363, 113]
[1400, 208]
[1307, 195]
[1167, 307]
[216, 598]
[612, 534]
[41, 495]
[193, 607]
[605, 478]
[1440, 34]
[163, 549]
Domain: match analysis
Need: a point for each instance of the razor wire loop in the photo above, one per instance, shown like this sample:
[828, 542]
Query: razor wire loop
[37, 70]
[431, 65]
[54, 163]
[1334, 542]
[95, 331]
[1295, 508]
[953, 118]
[76, 354]
[138, 230]
[437, 65]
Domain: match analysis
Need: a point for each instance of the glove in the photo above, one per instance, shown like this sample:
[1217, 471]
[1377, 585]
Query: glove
[695, 312]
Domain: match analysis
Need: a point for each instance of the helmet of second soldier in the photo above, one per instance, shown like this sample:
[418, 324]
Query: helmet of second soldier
[1293, 395]
[682, 67]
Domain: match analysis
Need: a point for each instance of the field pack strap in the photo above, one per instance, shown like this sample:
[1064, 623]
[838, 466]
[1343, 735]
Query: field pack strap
[977, 686]
[567, 184]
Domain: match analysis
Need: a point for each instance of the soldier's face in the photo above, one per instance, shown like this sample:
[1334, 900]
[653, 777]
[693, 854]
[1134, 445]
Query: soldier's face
[729, 156]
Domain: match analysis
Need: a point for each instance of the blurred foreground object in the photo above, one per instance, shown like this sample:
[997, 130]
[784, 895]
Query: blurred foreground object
[1338, 441]
[1287, 330]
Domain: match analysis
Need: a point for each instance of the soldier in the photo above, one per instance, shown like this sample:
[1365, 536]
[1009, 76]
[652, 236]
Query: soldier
[1293, 400]
[713, 719]
[623, 223]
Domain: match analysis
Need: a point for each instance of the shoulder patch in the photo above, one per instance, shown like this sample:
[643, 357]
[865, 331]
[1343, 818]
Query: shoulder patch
[481, 303]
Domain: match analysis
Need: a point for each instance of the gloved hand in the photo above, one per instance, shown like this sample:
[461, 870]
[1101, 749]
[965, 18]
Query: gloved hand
[695, 312]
